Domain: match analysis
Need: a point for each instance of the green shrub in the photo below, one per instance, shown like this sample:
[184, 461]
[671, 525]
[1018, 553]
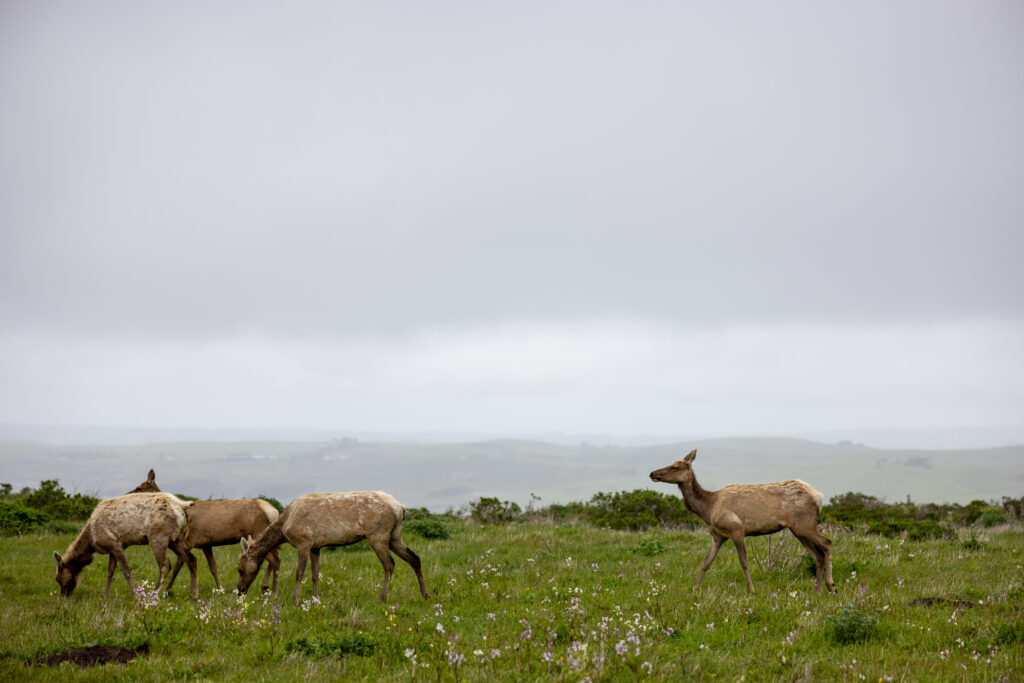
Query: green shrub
[426, 524]
[559, 513]
[915, 530]
[428, 528]
[972, 544]
[649, 547]
[1010, 634]
[850, 625]
[991, 517]
[493, 511]
[53, 500]
[356, 644]
[854, 508]
[17, 519]
[638, 509]
[1013, 506]
[424, 513]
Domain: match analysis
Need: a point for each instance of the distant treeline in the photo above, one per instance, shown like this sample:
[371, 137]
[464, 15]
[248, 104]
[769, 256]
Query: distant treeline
[644, 509]
[50, 507]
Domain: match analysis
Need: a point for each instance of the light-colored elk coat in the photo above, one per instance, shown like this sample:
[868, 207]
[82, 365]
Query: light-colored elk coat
[316, 520]
[154, 519]
[740, 510]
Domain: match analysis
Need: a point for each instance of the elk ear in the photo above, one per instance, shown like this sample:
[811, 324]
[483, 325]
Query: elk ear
[690, 458]
[245, 545]
[56, 557]
[152, 477]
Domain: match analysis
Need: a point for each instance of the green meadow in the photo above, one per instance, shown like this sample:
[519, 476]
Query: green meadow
[544, 601]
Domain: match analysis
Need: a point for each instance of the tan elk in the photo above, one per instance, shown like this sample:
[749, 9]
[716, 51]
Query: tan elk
[156, 519]
[221, 522]
[740, 510]
[316, 520]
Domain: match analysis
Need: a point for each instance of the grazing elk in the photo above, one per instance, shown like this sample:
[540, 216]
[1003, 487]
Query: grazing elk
[316, 520]
[221, 522]
[740, 510]
[156, 519]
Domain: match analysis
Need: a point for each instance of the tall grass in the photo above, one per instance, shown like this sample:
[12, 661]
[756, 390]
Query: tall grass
[543, 602]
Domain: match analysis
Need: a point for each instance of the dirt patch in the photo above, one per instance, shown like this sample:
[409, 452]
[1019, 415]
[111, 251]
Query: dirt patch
[932, 602]
[93, 655]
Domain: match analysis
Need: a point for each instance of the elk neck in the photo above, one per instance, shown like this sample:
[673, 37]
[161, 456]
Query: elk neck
[697, 499]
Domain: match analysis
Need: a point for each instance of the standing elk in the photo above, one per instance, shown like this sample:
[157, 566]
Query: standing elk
[156, 519]
[316, 520]
[740, 510]
[222, 522]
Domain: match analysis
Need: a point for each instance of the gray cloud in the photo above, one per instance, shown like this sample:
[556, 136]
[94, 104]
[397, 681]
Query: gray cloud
[202, 176]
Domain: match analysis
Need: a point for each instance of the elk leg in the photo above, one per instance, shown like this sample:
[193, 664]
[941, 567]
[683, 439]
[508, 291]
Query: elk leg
[160, 553]
[186, 556]
[819, 559]
[178, 564]
[300, 570]
[413, 560]
[716, 545]
[111, 568]
[211, 561]
[826, 551]
[314, 567]
[741, 551]
[381, 548]
[122, 559]
[273, 561]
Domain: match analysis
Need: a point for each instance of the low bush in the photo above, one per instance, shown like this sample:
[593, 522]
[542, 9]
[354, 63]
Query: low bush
[16, 519]
[858, 509]
[991, 517]
[494, 511]
[649, 547]
[558, 513]
[915, 530]
[53, 500]
[638, 510]
[972, 544]
[850, 625]
[427, 528]
[1010, 634]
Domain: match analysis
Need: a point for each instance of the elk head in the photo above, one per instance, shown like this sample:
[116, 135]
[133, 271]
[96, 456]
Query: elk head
[148, 486]
[248, 567]
[676, 473]
[67, 575]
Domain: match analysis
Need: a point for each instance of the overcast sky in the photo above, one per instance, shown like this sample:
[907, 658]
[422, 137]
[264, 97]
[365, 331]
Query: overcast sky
[627, 217]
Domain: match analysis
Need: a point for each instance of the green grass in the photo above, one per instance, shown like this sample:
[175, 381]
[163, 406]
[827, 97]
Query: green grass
[539, 602]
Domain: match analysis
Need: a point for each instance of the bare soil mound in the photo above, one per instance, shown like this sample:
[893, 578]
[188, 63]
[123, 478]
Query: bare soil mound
[93, 655]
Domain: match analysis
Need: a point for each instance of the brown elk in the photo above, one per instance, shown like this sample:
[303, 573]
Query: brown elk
[156, 519]
[221, 522]
[740, 510]
[316, 520]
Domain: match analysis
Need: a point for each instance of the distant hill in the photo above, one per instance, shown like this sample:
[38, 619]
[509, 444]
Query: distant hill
[939, 438]
[443, 475]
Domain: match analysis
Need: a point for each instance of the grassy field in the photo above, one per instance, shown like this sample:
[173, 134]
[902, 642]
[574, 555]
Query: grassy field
[540, 602]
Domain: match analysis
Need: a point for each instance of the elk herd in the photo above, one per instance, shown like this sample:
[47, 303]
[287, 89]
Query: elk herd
[148, 516]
